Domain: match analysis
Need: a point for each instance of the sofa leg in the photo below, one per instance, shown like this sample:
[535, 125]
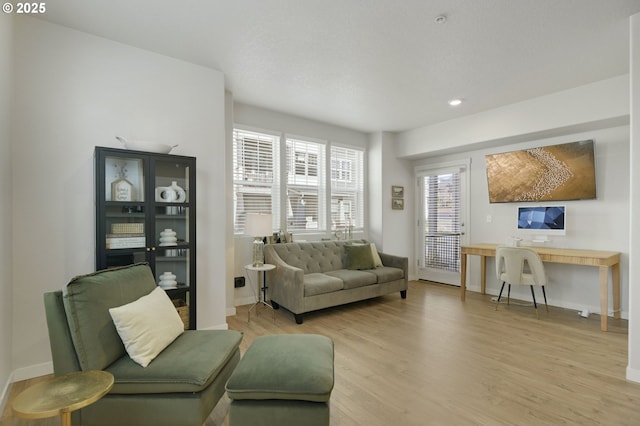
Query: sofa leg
[274, 305]
[403, 294]
[298, 318]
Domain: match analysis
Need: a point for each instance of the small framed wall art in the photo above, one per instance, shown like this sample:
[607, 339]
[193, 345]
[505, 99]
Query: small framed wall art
[397, 203]
[397, 191]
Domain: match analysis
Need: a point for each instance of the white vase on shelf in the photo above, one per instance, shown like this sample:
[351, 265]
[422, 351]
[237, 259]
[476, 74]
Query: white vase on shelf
[168, 281]
[171, 194]
[168, 238]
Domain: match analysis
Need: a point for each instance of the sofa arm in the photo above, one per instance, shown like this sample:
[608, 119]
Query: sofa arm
[285, 282]
[396, 262]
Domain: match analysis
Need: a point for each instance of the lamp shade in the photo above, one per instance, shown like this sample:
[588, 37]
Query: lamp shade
[258, 224]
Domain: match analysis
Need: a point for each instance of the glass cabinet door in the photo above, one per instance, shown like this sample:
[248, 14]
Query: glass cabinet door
[145, 212]
[173, 227]
[124, 221]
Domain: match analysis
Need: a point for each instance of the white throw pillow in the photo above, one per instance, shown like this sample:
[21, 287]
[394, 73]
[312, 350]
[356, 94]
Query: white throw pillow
[147, 326]
[377, 262]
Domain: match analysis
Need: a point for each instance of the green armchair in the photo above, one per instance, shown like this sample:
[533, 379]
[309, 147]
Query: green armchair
[181, 386]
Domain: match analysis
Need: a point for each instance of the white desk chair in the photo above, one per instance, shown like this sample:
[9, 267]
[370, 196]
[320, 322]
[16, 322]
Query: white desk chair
[510, 269]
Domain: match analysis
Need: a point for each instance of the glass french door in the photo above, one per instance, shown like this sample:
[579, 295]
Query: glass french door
[441, 224]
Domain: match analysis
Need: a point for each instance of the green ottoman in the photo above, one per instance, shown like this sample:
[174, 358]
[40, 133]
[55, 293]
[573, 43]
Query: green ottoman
[283, 380]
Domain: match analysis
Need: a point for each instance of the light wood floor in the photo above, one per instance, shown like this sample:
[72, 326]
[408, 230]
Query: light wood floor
[434, 360]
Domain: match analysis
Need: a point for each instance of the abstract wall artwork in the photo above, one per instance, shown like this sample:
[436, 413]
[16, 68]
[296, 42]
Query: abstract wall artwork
[549, 173]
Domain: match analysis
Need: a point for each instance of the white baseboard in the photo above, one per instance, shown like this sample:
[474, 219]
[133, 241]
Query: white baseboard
[564, 305]
[231, 311]
[32, 371]
[633, 374]
[249, 300]
[224, 326]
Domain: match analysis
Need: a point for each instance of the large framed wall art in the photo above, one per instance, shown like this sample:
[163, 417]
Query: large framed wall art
[549, 173]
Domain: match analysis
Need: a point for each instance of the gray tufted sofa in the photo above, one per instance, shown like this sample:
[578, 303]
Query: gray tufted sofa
[314, 275]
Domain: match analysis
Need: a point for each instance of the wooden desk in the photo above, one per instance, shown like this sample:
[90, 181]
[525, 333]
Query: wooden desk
[602, 259]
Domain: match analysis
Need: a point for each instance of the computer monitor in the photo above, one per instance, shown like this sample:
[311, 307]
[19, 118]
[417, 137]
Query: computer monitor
[542, 220]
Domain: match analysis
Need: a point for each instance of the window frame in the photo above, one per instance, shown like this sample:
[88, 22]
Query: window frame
[358, 180]
[313, 184]
[258, 187]
[323, 173]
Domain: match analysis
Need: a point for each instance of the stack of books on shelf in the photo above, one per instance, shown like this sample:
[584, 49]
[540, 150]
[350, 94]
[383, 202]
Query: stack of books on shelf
[126, 235]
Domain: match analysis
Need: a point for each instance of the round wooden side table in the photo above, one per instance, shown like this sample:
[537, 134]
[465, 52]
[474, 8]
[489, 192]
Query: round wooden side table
[63, 394]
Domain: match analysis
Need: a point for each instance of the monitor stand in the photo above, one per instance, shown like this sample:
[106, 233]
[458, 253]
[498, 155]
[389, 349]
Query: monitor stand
[540, 240]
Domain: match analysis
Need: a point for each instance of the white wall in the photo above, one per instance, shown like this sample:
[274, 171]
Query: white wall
[77, 91]
[598, 105]
[633, 368]
[6, 293]
[375, 184]
[229, 238]
[266, 119]
[388, 227]
[271, 121]
[599, 224]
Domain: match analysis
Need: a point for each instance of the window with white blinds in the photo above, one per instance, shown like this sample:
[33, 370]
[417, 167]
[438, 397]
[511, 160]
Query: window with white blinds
[347, 188]
[255, 176]
[321, 188]
[306, 187]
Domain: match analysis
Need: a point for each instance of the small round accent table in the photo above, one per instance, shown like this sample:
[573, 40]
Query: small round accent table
[261, 270]
[63, 394]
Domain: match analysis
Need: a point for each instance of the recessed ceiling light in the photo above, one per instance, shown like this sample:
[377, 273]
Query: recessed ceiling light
[455, 102]
[440, 19]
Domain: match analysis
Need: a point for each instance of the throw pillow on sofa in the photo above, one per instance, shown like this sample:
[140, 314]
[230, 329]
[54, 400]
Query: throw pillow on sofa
[359, 256]
[377, 262]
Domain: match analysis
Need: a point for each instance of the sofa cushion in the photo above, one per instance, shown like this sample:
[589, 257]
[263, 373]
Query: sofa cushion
[147, 326]
[377, 262]
[295, 367]
[312, 257]
[353, 279]
[87, 302]
[358, 256]
[387, 273]
[317, 283]
[189, 364]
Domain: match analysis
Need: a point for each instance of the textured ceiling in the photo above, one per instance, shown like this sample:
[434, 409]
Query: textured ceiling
[375, 65]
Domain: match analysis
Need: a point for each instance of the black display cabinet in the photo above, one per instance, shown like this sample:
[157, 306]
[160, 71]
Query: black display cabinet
[145, 212]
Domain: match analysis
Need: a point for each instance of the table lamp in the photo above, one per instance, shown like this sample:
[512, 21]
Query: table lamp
[258, 225]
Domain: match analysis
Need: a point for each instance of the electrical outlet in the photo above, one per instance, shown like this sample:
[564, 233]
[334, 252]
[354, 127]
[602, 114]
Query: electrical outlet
[238, 282]
[489, 218]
